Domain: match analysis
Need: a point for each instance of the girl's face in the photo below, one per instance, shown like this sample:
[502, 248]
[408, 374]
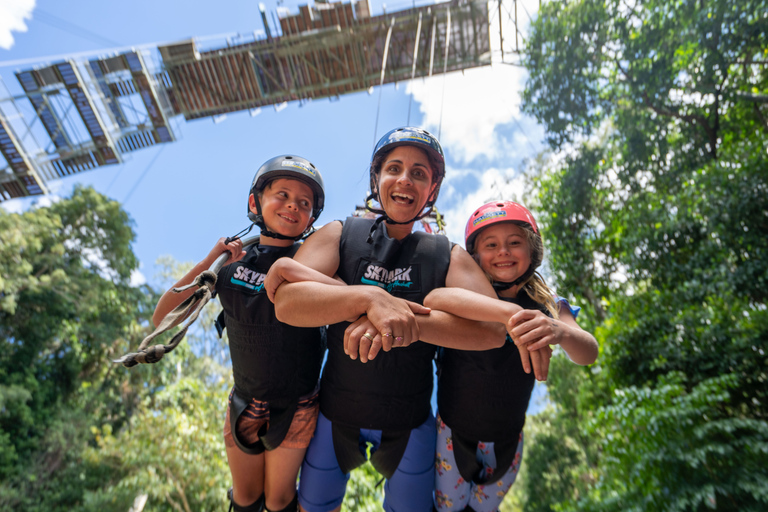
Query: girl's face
[286, 206]
[405, 183]
[503, 252]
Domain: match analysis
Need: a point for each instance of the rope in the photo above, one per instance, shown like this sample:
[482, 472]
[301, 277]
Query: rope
[189, 310]
[381, 80]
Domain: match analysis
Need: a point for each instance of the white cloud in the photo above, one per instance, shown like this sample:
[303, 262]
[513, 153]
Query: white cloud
[137, 278]
[477, 112]
[494, 184]
[467, 109]
[476, 115]
[12, 16]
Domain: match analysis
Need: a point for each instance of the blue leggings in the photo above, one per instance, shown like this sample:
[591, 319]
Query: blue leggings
[322, 484]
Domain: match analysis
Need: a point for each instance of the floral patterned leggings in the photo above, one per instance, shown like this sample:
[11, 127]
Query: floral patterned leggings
[453, 493]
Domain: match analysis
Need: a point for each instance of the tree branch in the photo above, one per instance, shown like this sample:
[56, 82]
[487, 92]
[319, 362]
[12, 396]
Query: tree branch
[179, 489]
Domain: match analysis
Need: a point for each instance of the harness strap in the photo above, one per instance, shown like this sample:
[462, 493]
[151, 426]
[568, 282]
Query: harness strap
[346, 445]
[271, 434]
[470, 469]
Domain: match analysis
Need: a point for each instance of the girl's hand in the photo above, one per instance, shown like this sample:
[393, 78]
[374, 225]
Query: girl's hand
[534, 330]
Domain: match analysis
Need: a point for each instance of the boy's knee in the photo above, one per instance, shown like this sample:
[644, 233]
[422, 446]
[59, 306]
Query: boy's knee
[293, 506]
[256, 506]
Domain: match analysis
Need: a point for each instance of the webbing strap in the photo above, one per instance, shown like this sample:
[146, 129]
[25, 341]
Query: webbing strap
[189, 310]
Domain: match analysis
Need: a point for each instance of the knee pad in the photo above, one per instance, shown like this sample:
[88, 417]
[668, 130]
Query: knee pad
[293, 506]
[256, 506]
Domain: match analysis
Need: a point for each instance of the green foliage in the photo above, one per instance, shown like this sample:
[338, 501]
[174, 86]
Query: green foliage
[656, 221]
[173, 450]
[76, 431]
[365, 491]
[660, 455]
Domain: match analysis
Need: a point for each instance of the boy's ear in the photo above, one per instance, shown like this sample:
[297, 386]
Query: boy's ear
[309, 224]
[252, 204]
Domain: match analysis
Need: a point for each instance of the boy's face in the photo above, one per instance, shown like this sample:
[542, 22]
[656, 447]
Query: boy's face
[286, 206]
[503, 252]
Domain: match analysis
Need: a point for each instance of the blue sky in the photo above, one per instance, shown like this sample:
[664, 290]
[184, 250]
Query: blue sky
[184, 195]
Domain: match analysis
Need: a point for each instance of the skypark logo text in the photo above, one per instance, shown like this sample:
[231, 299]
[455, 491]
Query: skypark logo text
[249, 279]
[390, 280]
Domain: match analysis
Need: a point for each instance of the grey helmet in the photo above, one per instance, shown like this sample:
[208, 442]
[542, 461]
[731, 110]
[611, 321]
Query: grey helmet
[286, 166]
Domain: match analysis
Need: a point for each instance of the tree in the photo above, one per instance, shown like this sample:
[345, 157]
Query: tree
[656, 217]
[66, 304]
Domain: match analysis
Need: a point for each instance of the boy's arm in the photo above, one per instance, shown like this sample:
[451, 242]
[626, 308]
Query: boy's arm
[171, 299]
[291, 271]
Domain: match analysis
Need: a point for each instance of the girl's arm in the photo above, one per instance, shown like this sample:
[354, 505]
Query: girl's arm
[482, 306]
[171, 299]
[536, 330]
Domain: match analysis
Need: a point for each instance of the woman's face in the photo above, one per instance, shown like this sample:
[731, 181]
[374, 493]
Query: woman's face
[405, 183]
[503, 252]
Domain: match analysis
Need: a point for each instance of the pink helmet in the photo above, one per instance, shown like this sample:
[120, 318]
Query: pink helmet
[505, 211]
[493, 212]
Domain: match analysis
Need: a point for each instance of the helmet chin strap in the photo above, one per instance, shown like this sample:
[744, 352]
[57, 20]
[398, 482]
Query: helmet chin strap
[383, 217]
[501, 286]
[265, 231]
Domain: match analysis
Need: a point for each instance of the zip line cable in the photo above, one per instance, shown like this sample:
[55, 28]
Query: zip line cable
[381, 80]
[445, 67]
[146, 169]
[71, 28]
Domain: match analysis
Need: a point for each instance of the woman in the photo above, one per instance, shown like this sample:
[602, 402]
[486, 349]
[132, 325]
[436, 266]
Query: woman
[381, 399]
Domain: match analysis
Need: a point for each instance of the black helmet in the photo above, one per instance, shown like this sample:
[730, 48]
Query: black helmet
[287, 166]
[409, 136]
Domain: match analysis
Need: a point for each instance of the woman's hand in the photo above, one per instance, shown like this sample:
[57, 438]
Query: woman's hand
[395, 318]
[361, 338]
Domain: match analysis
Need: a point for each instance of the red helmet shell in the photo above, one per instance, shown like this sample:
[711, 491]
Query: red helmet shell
[495, 212]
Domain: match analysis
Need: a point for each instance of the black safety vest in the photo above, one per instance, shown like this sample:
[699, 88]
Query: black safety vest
[483, 396]
[392, 392]
[271, 361]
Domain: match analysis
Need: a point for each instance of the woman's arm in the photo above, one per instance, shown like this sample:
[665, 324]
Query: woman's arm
[484, 306]
[171, 299]
[311, 304]
[454, 326]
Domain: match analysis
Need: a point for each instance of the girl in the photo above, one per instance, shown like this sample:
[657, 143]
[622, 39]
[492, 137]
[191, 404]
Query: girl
[273, 405]
[482, 396]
